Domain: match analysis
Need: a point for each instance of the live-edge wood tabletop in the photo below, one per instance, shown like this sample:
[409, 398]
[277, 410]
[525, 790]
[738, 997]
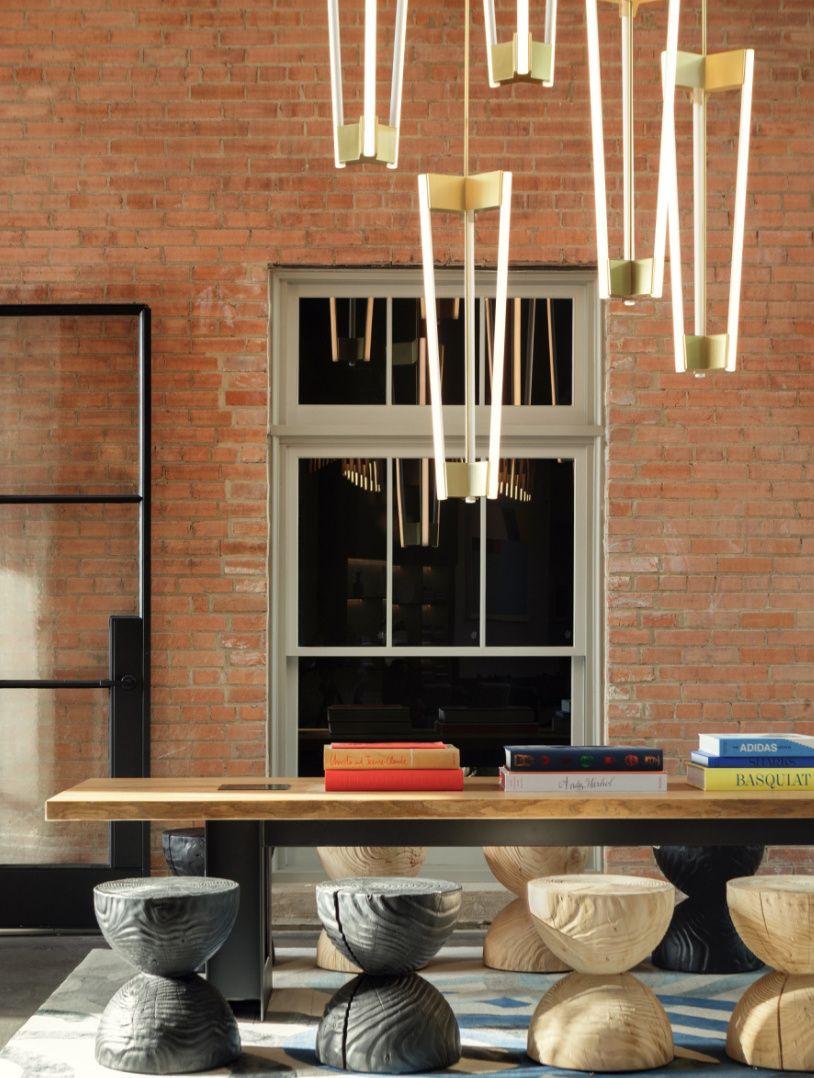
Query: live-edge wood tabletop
[305, 799]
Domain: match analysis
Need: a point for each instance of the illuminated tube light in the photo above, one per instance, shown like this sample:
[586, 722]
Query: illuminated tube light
[367, 139]
[704, 74]
[522, 59]
[668, 188]
[466, 196]
[629, 277]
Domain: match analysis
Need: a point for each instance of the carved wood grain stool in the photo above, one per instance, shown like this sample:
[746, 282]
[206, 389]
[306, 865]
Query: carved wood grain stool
[512, 942]
[701, 937]
[388, 1020]
[771, 1025]
[343, 862]
[166, 1019]
[600, 1017]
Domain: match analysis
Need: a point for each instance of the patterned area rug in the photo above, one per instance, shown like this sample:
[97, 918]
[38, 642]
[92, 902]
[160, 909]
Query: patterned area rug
[493, 1010]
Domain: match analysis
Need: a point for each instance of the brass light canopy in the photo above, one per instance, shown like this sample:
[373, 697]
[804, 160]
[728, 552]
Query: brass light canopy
[466, 195]
[629, 277]
[522, 59]
[704, 74]
[367, 139]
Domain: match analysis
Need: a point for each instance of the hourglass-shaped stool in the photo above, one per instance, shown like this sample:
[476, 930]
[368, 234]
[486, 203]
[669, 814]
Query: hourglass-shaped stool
[600, 1018]
[512, 942]
[701, 937]
[388, 1020]
[771, 1025]
[167, 1019]
[344, 862]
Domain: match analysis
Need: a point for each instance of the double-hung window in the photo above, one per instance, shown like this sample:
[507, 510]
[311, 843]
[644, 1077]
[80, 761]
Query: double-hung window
[477, 623]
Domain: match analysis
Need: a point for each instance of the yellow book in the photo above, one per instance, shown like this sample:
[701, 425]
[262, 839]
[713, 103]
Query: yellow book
[383, 757]
[750, 779]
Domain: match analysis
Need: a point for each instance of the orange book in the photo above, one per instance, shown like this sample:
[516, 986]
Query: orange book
[342, 757]
[414, 778]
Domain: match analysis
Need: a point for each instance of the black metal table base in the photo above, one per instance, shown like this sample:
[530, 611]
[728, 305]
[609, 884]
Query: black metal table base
[239, 850]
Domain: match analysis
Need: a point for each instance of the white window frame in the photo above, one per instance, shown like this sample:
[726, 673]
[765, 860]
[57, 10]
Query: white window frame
[324, 431]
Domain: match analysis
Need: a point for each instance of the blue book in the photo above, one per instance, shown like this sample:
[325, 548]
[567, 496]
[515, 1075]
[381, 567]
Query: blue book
[770, 744]
[583, 758]
[706, 759]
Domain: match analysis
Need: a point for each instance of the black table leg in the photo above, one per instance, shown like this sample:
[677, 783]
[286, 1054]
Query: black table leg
[241, 970]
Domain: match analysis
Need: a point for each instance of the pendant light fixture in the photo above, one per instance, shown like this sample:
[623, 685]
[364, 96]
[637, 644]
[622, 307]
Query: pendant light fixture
[522, 59]
[628, 277]
[466, 196]
[418, 511]
[703, 75]
[352, 348]
[367, 139]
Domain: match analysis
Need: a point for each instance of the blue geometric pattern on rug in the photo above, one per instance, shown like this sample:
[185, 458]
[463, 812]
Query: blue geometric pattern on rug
[492, 1008]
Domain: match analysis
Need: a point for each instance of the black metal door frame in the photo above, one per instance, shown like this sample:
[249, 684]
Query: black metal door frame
[52, 896]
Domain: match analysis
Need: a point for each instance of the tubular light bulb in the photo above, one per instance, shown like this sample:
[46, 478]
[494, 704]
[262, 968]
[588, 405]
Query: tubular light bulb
[369, 134]
[431, 322]
[598, 147]
[398, 76]
[491, 37]
[676, 285]
[523, 64]
[668, 188]
[336, 76]
[499, 347]
[739, 213]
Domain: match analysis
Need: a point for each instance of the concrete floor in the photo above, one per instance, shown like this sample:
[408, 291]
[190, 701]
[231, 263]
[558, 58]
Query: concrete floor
[31, 967]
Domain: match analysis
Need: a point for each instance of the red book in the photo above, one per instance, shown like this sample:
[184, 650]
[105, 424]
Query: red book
[387, 744]
[438, 778]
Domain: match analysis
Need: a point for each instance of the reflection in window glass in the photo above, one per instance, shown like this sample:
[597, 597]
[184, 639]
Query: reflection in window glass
[410, 384]
[435, 554]
[538, 360]
[530, 555]
[476, 703]
[342, 544]
[342, 350]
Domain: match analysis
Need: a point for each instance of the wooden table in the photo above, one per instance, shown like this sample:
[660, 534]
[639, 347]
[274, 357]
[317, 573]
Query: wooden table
[243, 820]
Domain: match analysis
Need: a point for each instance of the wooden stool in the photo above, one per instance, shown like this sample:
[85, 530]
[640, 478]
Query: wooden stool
[701, 937]
[343, 862]
[512, 942]
[600, 1018]
[388, 1020]
[167, 1019]
[771, 1025]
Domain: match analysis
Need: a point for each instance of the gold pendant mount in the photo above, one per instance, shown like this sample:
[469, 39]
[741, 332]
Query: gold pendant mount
[507, 66]
[351, 140]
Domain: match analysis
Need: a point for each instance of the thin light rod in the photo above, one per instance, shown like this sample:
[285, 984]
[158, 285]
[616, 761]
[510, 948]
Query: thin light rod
[336, 76]
[598, 148]
[398, 76]
[523, 57]
[469, 336]
[629, 242]
[369, 128]
[668, 182]
[551, 35]
[496, 411]
[431, 324]
[739, 212]
[699, 172]
[491, 38]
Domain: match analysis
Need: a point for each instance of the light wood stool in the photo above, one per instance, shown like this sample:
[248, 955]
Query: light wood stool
[772, 1024]
[343, 862]
[600, 1018]
[512, 942]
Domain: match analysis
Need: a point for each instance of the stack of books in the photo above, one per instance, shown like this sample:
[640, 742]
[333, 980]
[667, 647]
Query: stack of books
[749, 762]
[393, 765]
[582, 769]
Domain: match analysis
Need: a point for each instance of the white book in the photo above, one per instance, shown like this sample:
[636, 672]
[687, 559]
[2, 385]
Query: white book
[581, 782]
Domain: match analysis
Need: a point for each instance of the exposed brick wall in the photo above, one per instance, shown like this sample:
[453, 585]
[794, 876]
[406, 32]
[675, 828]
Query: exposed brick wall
[166, 153]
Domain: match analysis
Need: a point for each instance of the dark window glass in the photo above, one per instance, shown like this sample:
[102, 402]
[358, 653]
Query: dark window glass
[342, 351]
[410, 381]
[538, 358]
[435, 558]
[530, 555]
[478, 704]
[342, 546]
